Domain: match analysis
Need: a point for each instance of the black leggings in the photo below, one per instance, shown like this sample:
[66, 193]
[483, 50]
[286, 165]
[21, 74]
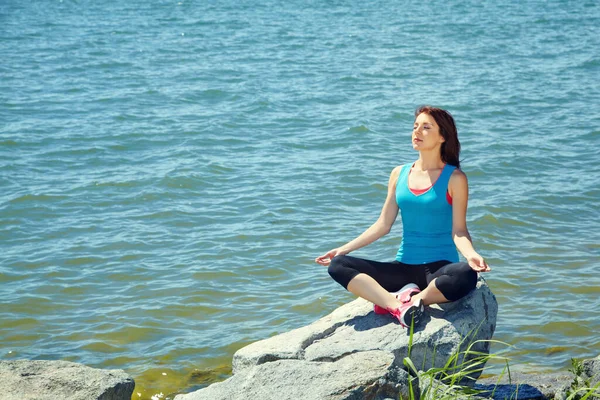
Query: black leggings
[454, 280]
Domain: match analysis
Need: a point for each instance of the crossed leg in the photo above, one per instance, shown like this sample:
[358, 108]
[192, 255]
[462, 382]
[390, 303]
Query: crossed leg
[440, 282]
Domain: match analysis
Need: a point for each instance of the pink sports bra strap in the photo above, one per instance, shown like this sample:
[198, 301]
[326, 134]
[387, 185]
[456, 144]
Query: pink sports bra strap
[421, 191]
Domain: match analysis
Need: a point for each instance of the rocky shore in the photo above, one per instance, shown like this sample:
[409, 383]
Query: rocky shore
[349, 354]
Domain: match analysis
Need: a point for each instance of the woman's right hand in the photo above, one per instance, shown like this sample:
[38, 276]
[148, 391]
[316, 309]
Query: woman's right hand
[326, 258]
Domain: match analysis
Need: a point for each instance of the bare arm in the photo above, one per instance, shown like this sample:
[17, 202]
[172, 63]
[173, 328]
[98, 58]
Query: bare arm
[384, 223]
[380, 228]
[459, 191]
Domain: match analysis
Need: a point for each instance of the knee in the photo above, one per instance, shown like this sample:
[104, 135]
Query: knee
[467, 279]
[470, 277]
[340, 272]
[459, 283]
[336, 266]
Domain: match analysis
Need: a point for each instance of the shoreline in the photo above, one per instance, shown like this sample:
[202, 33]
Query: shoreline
[529, 385]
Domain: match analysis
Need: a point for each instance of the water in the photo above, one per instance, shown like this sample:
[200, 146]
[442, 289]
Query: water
[169, 170]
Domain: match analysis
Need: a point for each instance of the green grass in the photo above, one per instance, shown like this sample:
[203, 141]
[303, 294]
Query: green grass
[450, 381]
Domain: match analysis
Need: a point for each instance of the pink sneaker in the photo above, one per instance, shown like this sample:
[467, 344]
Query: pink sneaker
[410, 290]
[408, 312]
[403, 295]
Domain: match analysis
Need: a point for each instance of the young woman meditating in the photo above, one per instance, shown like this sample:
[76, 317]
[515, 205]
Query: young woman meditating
[431, 195]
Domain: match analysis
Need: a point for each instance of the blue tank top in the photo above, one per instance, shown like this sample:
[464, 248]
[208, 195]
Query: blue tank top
[426, 221]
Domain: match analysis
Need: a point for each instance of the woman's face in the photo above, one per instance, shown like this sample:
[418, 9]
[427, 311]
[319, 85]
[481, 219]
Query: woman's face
[426, 133]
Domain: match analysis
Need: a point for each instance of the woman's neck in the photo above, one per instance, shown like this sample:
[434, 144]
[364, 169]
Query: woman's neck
[428, 161]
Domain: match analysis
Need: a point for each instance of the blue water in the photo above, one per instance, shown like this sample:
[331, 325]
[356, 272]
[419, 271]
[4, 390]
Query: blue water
[169, 170]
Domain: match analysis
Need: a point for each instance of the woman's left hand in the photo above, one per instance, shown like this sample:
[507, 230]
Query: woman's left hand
[477, 263]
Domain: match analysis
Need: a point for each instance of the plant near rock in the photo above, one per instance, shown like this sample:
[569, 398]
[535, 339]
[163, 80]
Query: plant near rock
[581, 388]
[448, 382]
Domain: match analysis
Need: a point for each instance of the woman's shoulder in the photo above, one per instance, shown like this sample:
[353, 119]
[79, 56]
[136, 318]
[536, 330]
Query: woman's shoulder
[458, 178]
[396, 171]
[399, 167]
[458, 173]
[395, 174]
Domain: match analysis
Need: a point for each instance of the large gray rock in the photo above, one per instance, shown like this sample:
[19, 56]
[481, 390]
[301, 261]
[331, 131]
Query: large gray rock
[291, 362]
[444, 330]
[364, 375]
[41, 380]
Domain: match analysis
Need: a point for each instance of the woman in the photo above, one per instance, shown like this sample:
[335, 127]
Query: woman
[431, 195]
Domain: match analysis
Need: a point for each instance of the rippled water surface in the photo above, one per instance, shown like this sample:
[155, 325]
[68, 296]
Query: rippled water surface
[169, 170]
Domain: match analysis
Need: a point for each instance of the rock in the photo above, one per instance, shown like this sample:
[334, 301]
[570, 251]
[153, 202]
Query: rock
[40, 380]
[524, 386]
[347, 335]
[584, 383]
[364, 375]
[591, 370]
[354, 327]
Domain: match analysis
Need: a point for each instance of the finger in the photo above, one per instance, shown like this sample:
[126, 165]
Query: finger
[478, 268]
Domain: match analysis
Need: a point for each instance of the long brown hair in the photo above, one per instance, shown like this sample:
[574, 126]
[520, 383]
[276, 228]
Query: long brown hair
[450, 150]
